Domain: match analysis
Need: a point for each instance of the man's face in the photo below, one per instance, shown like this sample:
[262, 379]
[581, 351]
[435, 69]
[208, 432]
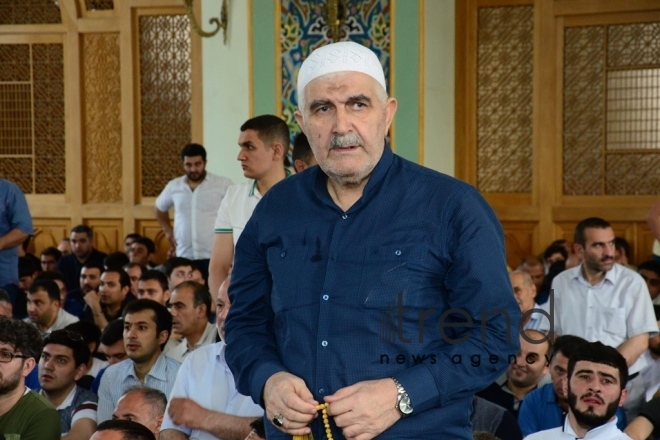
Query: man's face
[12, 374]
[128, 241]
[112, 293]
[558, 369]
[530, 364]
[64, 247]
[598, 251]
[115, 353]
[63, 292]
[141, 340]
[554, 258]
[90, 279]
[222, 306]
[524, 293]
[151, 289]
[652, 282]
[179, 275]
[133, 407]
[25, 282]
[6, 309]
[184, 313]
[620, 257]
[41, 310]
[81, 244]
[57, 368]
[134, 274]
[594, 393]
[346, 124]
[197, 277]
[194, 168]
[256, 157]
[537, 272]
[654, 344]
[139, 254]
[48, 262]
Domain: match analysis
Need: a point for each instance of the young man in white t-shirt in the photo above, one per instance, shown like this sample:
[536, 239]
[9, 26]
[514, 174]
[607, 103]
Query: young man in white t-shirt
[263, 142]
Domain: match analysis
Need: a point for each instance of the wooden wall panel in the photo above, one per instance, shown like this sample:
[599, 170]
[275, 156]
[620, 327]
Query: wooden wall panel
[151, 229]
[518, 239]
[108, 234]
[49, 231]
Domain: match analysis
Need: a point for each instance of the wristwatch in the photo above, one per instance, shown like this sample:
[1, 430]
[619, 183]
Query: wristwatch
[403, 403]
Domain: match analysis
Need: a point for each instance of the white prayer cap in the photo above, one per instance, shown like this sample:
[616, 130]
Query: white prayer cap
[340, 57]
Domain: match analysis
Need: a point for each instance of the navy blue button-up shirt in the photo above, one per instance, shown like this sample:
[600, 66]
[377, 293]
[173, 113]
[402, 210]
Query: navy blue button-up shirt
[410, 282]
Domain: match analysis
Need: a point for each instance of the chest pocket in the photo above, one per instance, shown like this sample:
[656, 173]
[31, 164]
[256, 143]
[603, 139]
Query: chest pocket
[292, 280]
[613, 325]
[392, 274]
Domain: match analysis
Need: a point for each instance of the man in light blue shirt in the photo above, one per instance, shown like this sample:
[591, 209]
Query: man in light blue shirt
[15, 227]
[147, 327]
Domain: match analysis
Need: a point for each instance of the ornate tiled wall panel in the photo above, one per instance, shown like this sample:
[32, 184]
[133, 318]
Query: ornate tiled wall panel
[102, 118]
[165, 98]
[304, 28]
[99, 5]
[504, 99]
[108, 234]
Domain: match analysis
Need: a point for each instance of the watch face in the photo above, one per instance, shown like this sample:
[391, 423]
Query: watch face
[404, 405]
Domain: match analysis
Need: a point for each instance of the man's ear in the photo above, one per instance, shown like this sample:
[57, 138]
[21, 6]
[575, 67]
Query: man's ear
[163, 337]
[166, 295]
[390, 109]
[624, 396]
[299, 165]
[80, 371]
[159, 422]
[564, 385]
[28, 366]
[278, 150]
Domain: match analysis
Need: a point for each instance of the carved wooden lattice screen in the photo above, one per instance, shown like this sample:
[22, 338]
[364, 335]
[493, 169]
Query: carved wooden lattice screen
[32, 117]
[99, 5]
[504, 99]
[29, 12]
[165, 93]
[612, 109]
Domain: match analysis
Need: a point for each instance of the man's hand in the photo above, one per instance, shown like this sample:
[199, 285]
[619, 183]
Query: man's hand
[93, 300]
[288, 395]
[366, 409]
[170, 237]
[186, 412]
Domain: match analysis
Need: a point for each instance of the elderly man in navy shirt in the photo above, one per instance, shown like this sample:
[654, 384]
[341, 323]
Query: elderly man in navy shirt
[383, 293]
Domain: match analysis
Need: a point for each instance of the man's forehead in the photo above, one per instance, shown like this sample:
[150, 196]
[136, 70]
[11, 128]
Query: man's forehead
[141, 316]
[58, 349]
[90, 271]
[184, 269]
[596, 368]
[6, 346]
[79, 236]
[341, 83]
[599, 234]
[149, 284]
[191, 159]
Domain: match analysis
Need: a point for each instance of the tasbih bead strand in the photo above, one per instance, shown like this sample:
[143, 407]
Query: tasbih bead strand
[323, 407]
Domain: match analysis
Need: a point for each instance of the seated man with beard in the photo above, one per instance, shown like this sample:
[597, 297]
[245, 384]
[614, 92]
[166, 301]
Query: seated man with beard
[595, 385]
[523, 375]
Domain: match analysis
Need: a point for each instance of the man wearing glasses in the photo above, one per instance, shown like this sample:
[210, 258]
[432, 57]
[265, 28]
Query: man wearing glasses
[24, 413]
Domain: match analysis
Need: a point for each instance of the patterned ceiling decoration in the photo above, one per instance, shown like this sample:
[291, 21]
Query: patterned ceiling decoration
[29, 12]
[505, 62]
[304, 29]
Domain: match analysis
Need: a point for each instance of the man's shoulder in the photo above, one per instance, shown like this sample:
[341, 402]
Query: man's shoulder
[567, 275]
[217, 179]
[84, 396]
[548, 434]
[541, 394]
[117, 370]
[36, 402]
[627, 275]
[417, 172]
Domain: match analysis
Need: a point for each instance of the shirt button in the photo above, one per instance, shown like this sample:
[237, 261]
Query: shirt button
[321, 391]
[397, 252]
[283, 254]
[325, 297]
[344, 216]
[324, 343]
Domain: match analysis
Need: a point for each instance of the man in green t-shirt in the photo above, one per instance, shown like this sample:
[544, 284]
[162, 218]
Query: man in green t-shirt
[24, 414]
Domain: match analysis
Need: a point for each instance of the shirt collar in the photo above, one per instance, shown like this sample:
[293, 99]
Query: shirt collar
[611, 276]
[605, 430]
[66, 402]
[158, 370]
[255, 192]
[377, 175]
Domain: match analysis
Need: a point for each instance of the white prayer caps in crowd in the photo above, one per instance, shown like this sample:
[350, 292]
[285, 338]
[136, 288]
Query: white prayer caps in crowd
[345, 56]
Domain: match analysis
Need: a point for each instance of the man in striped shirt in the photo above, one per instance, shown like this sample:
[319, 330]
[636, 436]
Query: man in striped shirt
[147, 327]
